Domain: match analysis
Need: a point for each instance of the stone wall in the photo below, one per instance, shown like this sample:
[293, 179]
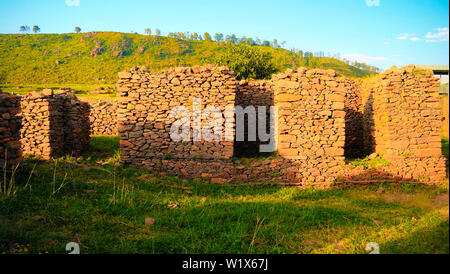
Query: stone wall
[354, 124]
[322, 119]
[10, 121]
[53, 124]
[310, 108]
[144, 107]
[77, 125]
[103, 118]
[402, 118]
[311, 116]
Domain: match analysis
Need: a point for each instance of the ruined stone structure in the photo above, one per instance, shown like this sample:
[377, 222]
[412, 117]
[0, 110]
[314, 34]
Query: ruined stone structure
[10, 121]
[43, 124]
[103, 118]
[402, 121]
[144, 110]
[322, 118]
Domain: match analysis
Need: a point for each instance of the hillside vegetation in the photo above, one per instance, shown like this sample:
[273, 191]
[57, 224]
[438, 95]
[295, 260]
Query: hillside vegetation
[96, 57]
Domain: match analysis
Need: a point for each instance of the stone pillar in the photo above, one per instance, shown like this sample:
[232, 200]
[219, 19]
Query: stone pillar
[311, 114]
[404, 118]
[54, 124]
[10, 123]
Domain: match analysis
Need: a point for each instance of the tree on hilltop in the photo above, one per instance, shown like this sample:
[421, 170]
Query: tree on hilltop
[148, 31]
[36, 29]
[158, 32]
[77, 29]
[218, 37]
[207, 36]
[24, 28]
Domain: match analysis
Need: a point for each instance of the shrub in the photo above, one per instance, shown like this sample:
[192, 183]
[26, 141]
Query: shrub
[247, 62]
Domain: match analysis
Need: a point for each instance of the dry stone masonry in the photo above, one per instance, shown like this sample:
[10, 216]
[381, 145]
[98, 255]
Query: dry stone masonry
[10, 121]
[402, 119]
[53, 124]
[145, 105]
[311, 117]
[103, 118]
[322, 118]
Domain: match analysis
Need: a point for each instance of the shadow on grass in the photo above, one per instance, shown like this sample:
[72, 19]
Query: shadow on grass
[224, 222]
[372, 177]
[229, 227]
[210, 218]
[430, 239]
[102, 148]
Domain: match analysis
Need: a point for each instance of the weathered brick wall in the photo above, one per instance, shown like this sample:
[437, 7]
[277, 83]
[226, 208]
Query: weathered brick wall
[402, 118]
[53, 124]
[145, 104]
[10, 121]
[103, 118]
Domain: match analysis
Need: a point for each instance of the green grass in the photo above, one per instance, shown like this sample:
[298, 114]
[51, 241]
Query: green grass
[444, 88]
[103, 207]
[368, 163]
[80, 89]
[65, 59]
[444, 142]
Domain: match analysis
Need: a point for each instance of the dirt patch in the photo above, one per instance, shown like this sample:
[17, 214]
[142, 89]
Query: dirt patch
[391, 197]
[444, 212]
[442, 199]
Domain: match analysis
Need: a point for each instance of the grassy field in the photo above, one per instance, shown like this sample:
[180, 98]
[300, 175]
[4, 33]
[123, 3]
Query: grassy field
[104, 206]
[82, 91]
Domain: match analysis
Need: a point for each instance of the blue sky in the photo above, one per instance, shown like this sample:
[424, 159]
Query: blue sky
[378, 32]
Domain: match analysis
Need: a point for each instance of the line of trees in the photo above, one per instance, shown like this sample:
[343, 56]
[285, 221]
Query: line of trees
[362, 65]
[148, 31]
[232, 39]
[36, 29]
[308, 56]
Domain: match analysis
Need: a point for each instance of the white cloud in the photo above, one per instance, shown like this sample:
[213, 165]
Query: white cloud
[403, 36]
[363, 58]
[73, 3]
[407, 36]
[373, 3]
[440, 36]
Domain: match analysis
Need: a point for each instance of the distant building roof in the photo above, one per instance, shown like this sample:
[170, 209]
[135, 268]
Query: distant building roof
[437, 69]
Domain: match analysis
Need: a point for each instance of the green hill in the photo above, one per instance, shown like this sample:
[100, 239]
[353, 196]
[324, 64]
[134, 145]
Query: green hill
[92, 58]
